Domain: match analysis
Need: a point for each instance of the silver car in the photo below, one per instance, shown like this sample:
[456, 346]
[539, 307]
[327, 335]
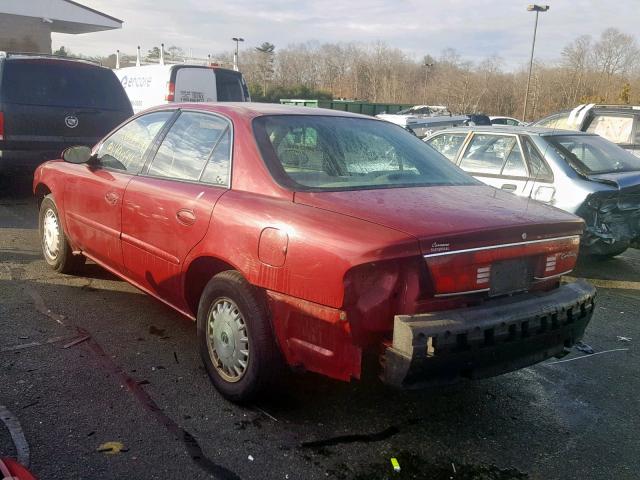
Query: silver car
[577, 172]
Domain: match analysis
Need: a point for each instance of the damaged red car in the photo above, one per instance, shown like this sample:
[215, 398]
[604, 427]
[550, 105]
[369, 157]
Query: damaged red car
[307, 238]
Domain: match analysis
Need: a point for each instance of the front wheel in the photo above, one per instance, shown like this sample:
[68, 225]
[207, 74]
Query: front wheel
[55, 246]
[235, 338]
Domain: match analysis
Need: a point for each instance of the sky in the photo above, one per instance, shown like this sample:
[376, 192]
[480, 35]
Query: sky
[476, 29]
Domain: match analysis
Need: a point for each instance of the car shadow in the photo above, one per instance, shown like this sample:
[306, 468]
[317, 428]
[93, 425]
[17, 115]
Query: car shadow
[623, 268]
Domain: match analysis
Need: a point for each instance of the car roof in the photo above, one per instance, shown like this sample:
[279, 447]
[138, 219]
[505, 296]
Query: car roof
[255, 109]
[514, 129]
[45, 58]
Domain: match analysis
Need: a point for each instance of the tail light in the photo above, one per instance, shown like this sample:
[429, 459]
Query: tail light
[1, 125]
[470, 271]
[171, 92]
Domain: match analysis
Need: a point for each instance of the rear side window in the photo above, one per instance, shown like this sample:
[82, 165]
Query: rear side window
[538, 167]
[614, 128]
[125, 148]
[62, 84]
[448, 144]
[187, 148]
[230, 86]
[557, 121]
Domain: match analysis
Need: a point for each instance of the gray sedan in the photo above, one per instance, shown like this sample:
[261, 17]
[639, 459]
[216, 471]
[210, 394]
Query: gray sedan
[577, 172]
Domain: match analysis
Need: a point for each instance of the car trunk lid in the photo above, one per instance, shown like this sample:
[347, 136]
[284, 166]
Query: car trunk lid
[475, 239]
[446, 218]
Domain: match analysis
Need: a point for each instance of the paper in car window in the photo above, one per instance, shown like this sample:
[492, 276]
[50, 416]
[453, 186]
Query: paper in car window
[614, 129]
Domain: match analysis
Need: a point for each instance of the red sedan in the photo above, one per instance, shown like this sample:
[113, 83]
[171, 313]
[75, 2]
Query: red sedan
[305, 237]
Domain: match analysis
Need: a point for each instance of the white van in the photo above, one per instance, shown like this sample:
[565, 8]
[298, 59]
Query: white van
[150, 85]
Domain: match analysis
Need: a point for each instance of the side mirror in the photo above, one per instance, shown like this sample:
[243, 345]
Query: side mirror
[77, 154]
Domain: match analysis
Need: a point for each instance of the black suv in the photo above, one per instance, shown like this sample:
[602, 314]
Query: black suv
[619, 124]
[48, 103]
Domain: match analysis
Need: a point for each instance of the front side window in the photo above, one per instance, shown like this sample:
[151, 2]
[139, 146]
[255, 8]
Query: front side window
[614, 128]
[448, 144]
[591, 154]
[125, 148]
[188, 147]
[309, 152]
[494, 155]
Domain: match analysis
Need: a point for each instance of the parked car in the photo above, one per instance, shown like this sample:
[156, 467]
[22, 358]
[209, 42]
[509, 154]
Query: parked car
[305, 236]
[48, 103]
[577, 172]
[424, 124]
[151, 85]
[514, 122]
[617, 123]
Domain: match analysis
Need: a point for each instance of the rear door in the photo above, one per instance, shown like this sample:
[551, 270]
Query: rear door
[167, 209]
[230, 86]
[93, 197]
[497, 160]
[50, 104]
[194, 84]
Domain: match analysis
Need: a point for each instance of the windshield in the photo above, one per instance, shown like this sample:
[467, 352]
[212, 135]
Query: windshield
[63, 84]
[592, 154]
[307, 152]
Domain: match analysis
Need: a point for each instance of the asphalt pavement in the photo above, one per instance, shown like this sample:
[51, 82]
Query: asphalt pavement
[104, 382]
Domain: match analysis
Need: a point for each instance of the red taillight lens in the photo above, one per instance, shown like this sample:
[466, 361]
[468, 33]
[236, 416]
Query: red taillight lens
[171, 92]
[455, 273]
[1, 125]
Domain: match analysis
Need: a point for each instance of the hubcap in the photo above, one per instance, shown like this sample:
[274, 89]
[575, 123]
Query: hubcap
[51, 235]
[227, 340]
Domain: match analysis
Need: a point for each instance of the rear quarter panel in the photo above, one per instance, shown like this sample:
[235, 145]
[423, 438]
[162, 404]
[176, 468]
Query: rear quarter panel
[319, 247]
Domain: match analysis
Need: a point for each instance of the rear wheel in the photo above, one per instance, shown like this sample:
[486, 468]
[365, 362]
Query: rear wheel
[235, 338]
[55, 246]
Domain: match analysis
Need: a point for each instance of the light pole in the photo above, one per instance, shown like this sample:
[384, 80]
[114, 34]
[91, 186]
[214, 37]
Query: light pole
[426, 66]
[537, 9]
[235, 56]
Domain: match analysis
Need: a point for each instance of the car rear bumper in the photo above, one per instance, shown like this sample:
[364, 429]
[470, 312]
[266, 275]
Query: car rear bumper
[487, 340]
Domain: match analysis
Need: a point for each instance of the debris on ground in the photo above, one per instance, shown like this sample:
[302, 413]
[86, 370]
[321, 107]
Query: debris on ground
[395, 464]
[584, 348]
[250, 457]
[624, 339]
[112, 448]
[78, 340]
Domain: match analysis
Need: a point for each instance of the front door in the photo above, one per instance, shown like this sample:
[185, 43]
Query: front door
[93, 197]
[496, 160]
[167, 209]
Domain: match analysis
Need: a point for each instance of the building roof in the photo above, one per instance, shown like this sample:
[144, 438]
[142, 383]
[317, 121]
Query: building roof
[65, 16]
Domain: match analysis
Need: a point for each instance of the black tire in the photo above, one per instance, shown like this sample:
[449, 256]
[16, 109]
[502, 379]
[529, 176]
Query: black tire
[263, 361]
[63, 261]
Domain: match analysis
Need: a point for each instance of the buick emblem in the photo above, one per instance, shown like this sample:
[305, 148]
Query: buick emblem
[524, 236]
[71, 121]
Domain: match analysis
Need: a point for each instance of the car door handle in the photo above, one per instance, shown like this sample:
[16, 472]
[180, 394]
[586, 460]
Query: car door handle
[111, 198]
[509, 187]
[186, 216]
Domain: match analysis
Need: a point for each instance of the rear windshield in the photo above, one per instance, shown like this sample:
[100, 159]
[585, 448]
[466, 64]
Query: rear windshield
[307, 152]
[590, 154]
[230, 86]
[62, 84]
